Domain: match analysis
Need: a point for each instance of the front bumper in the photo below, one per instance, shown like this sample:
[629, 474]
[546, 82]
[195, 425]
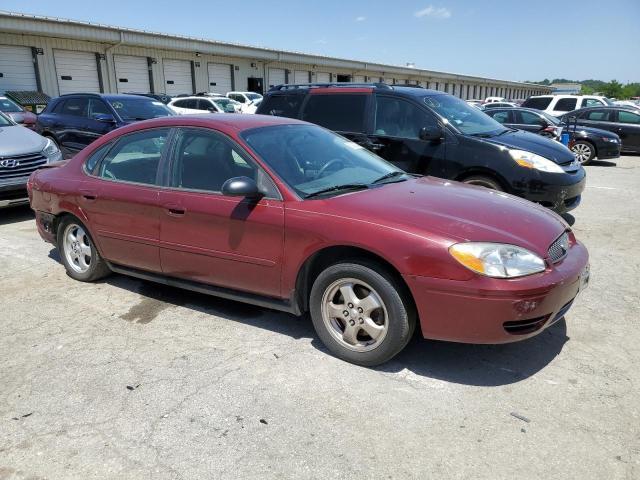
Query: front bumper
[13, 192]
[606, 150]
[559, 192]
[488, 310]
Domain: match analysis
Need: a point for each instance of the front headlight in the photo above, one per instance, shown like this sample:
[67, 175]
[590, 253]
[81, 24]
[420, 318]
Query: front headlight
[51, 151]
[610, 139]
[532, 160]
[497, 260]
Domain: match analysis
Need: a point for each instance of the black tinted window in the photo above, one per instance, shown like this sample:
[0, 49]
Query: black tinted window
[58, 107]
[528, 118]
[98, 107]
[135, 158]
[95, 157]
[566, 104]
[539, 103]
[76, 107]
[282, 105]
[341, 112]
[398, 118]
[499, 116]
[204, 160]
[628, 117]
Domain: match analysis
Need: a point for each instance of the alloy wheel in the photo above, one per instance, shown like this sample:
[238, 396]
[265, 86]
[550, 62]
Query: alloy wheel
[77, 248]
[582, 152]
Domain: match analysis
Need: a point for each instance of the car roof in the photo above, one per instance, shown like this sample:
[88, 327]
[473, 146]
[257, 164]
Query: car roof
[106, 96]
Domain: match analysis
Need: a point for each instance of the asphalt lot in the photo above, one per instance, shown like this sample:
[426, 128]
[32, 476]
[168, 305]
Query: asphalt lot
[128, 379]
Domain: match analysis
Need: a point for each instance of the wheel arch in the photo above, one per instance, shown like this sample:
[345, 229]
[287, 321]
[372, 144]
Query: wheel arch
[487, 172]
[590, 142]
[331, 255]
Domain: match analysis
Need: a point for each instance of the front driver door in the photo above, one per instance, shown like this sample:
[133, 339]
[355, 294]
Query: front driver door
[396, 138]
[208, 237]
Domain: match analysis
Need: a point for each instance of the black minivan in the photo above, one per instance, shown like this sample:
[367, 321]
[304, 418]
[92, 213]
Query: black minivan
[433, 133]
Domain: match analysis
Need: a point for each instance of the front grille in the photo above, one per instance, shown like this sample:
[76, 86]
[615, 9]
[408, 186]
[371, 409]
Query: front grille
[559, 248]
[18, 166]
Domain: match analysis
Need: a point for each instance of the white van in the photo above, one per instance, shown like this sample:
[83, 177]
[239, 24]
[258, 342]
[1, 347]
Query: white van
[558, 105]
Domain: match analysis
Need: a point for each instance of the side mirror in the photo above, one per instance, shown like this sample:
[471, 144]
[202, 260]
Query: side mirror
[431, 133]
[104, 117]
[241, 187]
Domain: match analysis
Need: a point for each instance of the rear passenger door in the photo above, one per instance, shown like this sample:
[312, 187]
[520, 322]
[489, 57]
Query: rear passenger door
[343, 112]
[528, 121]
[598, 118]
[627, 126]
[120, 198]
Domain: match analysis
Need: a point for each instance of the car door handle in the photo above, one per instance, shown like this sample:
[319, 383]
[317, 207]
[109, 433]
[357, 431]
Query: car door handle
[88, 195]
[174, 210]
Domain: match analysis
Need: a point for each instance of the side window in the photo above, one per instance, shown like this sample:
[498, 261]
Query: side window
[135, 158]
[341, 112]
[628, 117]
[180, 103]
[597, 115]
[205, 105]
[282, 105]
[93, 159]
[499, 116]
[97, 107]
[76, 107]
[591, 102]
[204, 160]
[397, 118]
[528, 118]
[59, 107]
[566, 104]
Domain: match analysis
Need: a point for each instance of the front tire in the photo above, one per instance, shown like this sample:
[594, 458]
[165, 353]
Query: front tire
[584, 152]
[78, 252]
[361, 313]
[483, 181]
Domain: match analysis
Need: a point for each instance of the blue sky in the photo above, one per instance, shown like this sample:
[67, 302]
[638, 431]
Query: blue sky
[507, 39]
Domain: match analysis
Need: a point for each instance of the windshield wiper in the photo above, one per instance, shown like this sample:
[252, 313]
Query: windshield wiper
[505, 131]
[336, 188]
[387, 176]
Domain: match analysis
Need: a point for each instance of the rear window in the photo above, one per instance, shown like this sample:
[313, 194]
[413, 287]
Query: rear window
[539, 103]
[341, 112]
[281, 105]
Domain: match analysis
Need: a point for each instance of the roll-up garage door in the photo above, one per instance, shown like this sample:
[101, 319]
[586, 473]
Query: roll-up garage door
[322, 77]
[177, 77]
[388, 81]
[132, 74]
[358, 78]
[77, 72]
[276, 77]
[300, 76]
[16, 69]
[220, 78]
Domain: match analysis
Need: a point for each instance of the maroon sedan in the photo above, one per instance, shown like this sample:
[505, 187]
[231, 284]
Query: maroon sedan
[287, 215]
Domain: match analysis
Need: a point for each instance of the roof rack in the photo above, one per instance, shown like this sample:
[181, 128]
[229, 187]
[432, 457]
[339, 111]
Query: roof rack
[98, 95]
[303, 86]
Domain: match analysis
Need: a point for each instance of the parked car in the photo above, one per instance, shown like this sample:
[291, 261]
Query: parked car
[585, 142]
[200, 202]
[433, 133]
[475, 103]
[22, 151]
[17, 113]
[487, 106]
[558, 105]
[75, 120]
[494, 99]
[198, 105]
[623, 121]
[156, 96]
[249, 100]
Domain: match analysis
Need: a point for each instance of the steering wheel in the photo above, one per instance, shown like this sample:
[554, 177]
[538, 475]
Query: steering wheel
[328, 165]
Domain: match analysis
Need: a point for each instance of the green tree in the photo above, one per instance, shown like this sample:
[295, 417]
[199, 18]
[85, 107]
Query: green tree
[586, 90]
[613, 89]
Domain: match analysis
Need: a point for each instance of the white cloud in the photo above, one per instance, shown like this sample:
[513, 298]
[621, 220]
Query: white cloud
[435, 12]
[360, 19]
[321, 41]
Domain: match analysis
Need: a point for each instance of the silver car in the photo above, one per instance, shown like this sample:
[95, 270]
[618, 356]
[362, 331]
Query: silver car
[22, 151]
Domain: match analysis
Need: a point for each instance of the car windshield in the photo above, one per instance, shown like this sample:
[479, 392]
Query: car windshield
[140, 109]
[223, 102]
[253, 96]
[5, 121]
[8, 106]
[550, 118]
[463, 117]
[310, 159]
[607, 101]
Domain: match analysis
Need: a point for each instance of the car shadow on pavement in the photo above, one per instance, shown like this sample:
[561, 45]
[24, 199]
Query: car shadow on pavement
[602, 163]
[20, 213]
[480, 365]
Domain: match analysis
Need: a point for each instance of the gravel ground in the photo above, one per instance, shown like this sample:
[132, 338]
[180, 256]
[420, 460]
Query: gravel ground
[128, 379]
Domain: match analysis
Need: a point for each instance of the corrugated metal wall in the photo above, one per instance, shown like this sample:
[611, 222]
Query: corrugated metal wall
[244, 66]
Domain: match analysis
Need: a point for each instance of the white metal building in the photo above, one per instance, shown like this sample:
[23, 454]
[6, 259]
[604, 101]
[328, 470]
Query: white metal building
[59, 56]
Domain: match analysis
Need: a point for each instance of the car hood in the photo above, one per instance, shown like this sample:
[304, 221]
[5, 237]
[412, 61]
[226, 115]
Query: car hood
[534, 143]
[18, 140]
[590, 131]
[452, 211]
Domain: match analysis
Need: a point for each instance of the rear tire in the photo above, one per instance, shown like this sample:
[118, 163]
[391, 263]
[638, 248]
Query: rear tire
[78, 252]
[483, 181]
[361, 313]
[584, 151]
